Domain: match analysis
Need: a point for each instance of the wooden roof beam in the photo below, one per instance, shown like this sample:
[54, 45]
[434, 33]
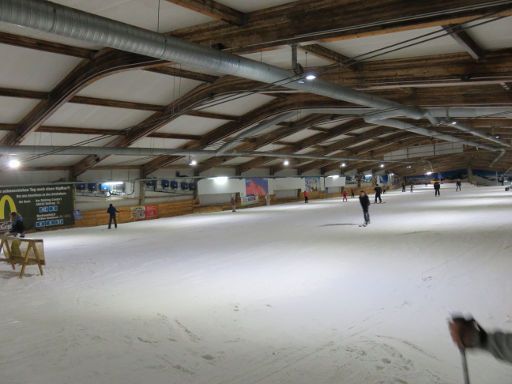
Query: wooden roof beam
[86, 72]
[46, 46]
[214, 10]
[458, 33]
[166, 69]
[268, 138]
[171, 112]
[279, 26]
[329, 54]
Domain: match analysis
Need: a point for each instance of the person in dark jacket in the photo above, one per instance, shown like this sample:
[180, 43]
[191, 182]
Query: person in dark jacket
[403, 187]
[112, 211]
[458, 185]
[437, 188]
[365, 204]
[412, 187]
[17, 226]
[378, 192]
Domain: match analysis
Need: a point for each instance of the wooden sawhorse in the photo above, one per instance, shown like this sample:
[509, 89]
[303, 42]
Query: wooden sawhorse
[23, 252]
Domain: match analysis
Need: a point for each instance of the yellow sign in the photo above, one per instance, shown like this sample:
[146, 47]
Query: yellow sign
[6, 200]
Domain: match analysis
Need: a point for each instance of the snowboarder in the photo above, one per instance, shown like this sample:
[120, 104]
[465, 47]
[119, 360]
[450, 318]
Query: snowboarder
[365, 204]
[233, 203]
[458, 185]
[378, 192]
[344, 194]
[112, 211]
[17, 226]
[306, 197]
[437, 188]
[468, 334]
[403, 187]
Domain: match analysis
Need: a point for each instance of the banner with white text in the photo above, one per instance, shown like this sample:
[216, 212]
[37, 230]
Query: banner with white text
[41, 206]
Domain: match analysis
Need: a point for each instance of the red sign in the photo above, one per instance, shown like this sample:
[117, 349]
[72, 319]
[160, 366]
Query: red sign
[151, 212]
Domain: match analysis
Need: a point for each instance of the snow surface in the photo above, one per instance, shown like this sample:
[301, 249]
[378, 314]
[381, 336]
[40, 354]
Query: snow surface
[283, 294]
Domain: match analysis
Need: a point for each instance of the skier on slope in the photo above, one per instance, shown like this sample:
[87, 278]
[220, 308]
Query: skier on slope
[437, 188]
[378, 192]
[233, 203]
[403, 187]
[112, 211]
[306, 197]
[344, 194]
[468, 334]
[365, 204]
[458, 185]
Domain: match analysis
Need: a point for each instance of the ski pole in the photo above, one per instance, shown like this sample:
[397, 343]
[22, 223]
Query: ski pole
[466, 321]
[465, 370]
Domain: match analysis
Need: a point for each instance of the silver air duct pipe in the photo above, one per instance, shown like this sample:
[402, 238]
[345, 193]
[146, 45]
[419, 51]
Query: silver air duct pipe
[255, 130]
[48, 150]
[64, 21]
[498, 158]
[382, 118]
[461, 127]
[438, 112]
[427, 132]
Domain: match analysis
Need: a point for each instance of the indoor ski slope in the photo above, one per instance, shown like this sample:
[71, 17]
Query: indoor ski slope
[289, 294]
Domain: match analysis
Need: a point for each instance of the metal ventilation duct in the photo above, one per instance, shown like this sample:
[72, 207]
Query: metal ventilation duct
[64, 21]
[49, 150]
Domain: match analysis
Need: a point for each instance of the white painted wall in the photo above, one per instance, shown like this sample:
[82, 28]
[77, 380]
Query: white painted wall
[287, 183]
[218, 186]
[335, 181]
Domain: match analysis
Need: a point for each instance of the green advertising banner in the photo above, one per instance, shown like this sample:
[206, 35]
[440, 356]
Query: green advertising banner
[42, 206]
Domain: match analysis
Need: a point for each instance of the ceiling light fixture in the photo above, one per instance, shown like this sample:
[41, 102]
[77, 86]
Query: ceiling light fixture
[286, 163]
[343, 165]
[14, 163]
[310, 77]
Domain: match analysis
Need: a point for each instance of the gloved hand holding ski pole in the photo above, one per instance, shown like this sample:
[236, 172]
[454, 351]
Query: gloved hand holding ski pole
[465, 333]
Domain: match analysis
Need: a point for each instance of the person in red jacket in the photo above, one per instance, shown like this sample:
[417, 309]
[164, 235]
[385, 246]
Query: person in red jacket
[344, 195]
[306, 197]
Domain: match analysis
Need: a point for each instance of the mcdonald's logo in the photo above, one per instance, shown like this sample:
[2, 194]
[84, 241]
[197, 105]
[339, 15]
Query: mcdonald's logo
[6, 200]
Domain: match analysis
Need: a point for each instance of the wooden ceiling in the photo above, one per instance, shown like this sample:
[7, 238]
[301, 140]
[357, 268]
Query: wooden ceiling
[473, 75]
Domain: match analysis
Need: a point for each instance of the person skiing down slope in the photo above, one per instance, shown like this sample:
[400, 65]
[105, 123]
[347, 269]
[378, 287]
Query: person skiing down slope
[437, 188]
[458, 185]
[378, 192]
[365, 204]
[344, 194]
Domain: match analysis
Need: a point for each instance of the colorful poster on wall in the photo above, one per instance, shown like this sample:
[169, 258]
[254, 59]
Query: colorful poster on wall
[41, 206]
[151, 212]
[139, 213]
[312, 184]
[256, 186]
